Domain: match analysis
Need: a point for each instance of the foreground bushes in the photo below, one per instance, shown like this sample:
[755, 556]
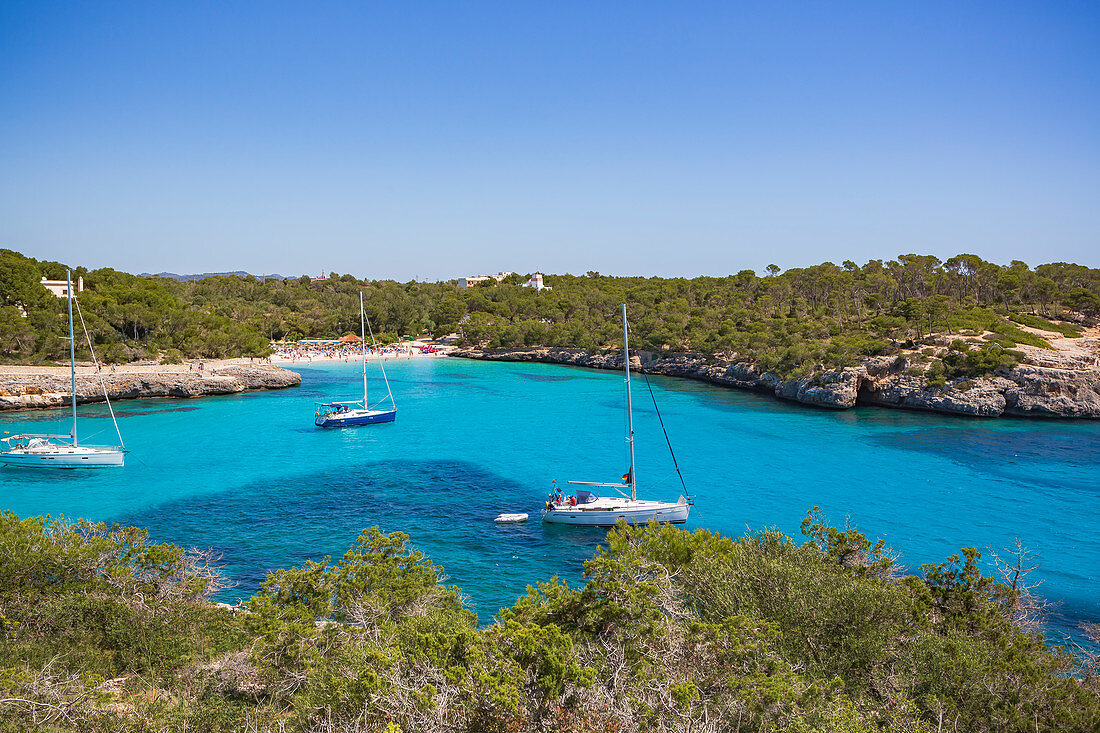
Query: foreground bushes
[671, 631]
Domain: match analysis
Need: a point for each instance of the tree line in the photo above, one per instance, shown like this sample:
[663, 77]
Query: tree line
[792, 322]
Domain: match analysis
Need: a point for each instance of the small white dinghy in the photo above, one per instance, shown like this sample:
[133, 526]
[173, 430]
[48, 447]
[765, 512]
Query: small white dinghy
[506, 518]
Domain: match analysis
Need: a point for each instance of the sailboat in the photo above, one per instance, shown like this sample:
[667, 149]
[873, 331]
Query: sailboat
[346, 414]
[588, 508]
[64, 451]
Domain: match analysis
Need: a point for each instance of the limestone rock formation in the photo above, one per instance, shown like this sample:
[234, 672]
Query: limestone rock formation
[52, 390]
[978, 398]
[1042, 392]
[1026, 391]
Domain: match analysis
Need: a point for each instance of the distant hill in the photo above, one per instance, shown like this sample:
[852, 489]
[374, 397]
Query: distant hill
[188, 278]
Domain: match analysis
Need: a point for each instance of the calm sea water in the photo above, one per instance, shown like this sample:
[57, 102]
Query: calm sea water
[252, 477]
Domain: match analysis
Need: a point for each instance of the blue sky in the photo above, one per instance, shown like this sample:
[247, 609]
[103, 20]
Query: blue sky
[434, 140]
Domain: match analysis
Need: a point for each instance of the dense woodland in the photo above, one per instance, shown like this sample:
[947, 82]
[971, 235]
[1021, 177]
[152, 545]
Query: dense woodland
[101, 630]
[792, 322]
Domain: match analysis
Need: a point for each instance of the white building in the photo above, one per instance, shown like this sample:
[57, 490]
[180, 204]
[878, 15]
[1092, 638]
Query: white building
[472, 280]
[60, 288]
[536, 283]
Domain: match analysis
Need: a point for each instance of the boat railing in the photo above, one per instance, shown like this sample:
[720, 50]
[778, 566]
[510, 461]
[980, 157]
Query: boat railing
[30, 436]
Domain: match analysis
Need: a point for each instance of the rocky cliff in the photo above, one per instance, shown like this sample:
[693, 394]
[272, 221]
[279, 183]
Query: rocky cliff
[1027, 390]
[19, 391]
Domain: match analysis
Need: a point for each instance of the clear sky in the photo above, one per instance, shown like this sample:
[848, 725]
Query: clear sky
[434, 140]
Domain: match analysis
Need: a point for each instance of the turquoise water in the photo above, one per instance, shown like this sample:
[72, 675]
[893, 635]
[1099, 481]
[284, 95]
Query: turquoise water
[252, 477]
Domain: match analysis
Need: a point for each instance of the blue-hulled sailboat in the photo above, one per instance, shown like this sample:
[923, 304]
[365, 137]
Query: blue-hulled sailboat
[347, 414]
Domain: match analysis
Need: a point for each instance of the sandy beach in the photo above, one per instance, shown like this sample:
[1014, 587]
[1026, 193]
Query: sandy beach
[410, 350]
[87, 369]
[291, 354]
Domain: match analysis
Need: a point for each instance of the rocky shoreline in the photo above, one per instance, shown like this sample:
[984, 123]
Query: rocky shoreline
[1027, 390]
[50, 387]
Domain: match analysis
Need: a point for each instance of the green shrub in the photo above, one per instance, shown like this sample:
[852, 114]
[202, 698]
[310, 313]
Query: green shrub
[670, 630]
[936, 374]
[962, 361]
[1027, 319]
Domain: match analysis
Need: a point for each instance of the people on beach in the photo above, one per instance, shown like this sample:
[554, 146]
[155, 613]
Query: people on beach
[345, 351]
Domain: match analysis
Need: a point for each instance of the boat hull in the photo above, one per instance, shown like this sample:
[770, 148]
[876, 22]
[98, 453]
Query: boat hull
[64, 458]
[609, 514]
[355, 418]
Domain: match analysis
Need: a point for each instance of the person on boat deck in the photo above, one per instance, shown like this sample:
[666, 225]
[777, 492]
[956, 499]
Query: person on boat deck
[572, 501]
[558, 498]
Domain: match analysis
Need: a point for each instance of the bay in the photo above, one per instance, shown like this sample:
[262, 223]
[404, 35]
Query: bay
[250, 476]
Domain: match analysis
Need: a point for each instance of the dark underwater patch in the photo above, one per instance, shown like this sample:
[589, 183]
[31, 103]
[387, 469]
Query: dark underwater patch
[447, 508]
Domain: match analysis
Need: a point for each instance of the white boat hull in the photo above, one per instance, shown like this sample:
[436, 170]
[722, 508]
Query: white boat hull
[585, 508]
[607, 512]
[63, 457]
[64, 451]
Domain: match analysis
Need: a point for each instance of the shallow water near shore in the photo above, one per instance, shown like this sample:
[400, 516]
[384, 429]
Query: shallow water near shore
[250, 475]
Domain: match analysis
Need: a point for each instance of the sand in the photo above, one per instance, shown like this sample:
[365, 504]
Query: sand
[86, 369]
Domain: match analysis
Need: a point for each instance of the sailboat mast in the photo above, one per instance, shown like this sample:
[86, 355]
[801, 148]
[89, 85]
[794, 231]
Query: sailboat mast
[382, 366]
[363, 341]
[629, 407]
[72, 347]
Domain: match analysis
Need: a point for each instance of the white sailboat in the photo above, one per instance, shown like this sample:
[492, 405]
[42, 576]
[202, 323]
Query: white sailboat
[346, 414]
[588, 508]
[64, 451]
